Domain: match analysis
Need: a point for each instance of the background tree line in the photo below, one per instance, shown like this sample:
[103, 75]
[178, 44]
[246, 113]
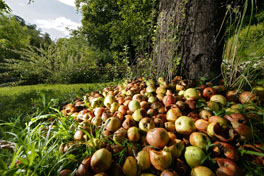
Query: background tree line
[117, 39]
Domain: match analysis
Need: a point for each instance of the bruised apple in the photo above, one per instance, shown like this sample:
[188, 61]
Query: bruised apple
[101, 160]
[160, 159]
[157, 137]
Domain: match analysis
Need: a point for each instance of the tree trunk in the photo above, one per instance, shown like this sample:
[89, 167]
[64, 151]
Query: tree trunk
[190, 38]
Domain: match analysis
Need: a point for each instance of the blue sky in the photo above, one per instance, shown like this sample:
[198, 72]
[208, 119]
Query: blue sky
[51, 16]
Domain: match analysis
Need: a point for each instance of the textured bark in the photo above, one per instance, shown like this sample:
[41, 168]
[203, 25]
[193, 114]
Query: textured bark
[200, 43]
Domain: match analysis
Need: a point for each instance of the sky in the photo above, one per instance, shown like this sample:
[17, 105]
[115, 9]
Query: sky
[51, 16]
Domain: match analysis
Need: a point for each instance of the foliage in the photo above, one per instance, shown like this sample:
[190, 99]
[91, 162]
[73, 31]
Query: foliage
[250, 42]
[68, 61]
[4, 7]
[15, 34]
[243, 44]
[115, 24]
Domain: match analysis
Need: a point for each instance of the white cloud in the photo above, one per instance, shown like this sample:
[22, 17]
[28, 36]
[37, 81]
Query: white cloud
[60, 24]
[68, 2]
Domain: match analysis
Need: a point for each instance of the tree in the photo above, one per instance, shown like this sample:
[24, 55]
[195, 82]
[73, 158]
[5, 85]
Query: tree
[190, 38]
[4, 7]
[113, 24]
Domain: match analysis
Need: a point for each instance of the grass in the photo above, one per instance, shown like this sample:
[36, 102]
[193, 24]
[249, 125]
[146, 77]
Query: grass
[24, 100]
[24, 111]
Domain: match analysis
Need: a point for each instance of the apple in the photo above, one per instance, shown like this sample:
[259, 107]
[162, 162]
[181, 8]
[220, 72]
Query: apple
[247, 97]
[101, 160]
[97, 102]
[199, 139]
[109, 99]
[65, 172]
[150, 82]
[138, 97]
[208, 92]
[213, 105]
[157, 137]
[143, 160]
[133, 105]
[170, 126]
[78, 135]
[201, 125]
[96, 121]
[191, 94]
[194, 156]
[112, 124]
[161, 160]
[133, 134]
[232, 95]
[161, 80]
[168, 100]
[151, 89]
[184, 125]
[146, 124]
[161, 90]
[114, 107]
[225, 149]
[130, 166]
[152, 99]
[202, 171]
[173, 114]
[169, 172]
[120, 135]
[222, 121]
[218, 99]
[181, 92]
[179, 87]
[176, 147]
[227, 167]
[84, 167]
[205, 114]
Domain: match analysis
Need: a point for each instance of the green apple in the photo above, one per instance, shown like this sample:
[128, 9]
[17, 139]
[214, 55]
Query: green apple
[194, 156]
[191, 94]
[218, 99]
[184, 125]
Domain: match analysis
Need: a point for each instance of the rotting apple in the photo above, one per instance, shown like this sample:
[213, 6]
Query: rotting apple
[160, 159]
[199, 139]
[101, 160]
[146, 124]
[218, 99]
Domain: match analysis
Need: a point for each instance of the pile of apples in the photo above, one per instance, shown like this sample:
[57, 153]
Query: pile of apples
[166, 129]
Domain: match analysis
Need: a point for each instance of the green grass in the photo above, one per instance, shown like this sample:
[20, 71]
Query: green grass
[24, 100]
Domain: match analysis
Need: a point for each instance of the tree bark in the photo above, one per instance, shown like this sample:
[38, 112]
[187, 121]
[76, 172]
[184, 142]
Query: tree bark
[197, 38]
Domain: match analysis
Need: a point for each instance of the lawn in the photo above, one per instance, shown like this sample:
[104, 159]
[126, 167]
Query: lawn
[23, 100]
